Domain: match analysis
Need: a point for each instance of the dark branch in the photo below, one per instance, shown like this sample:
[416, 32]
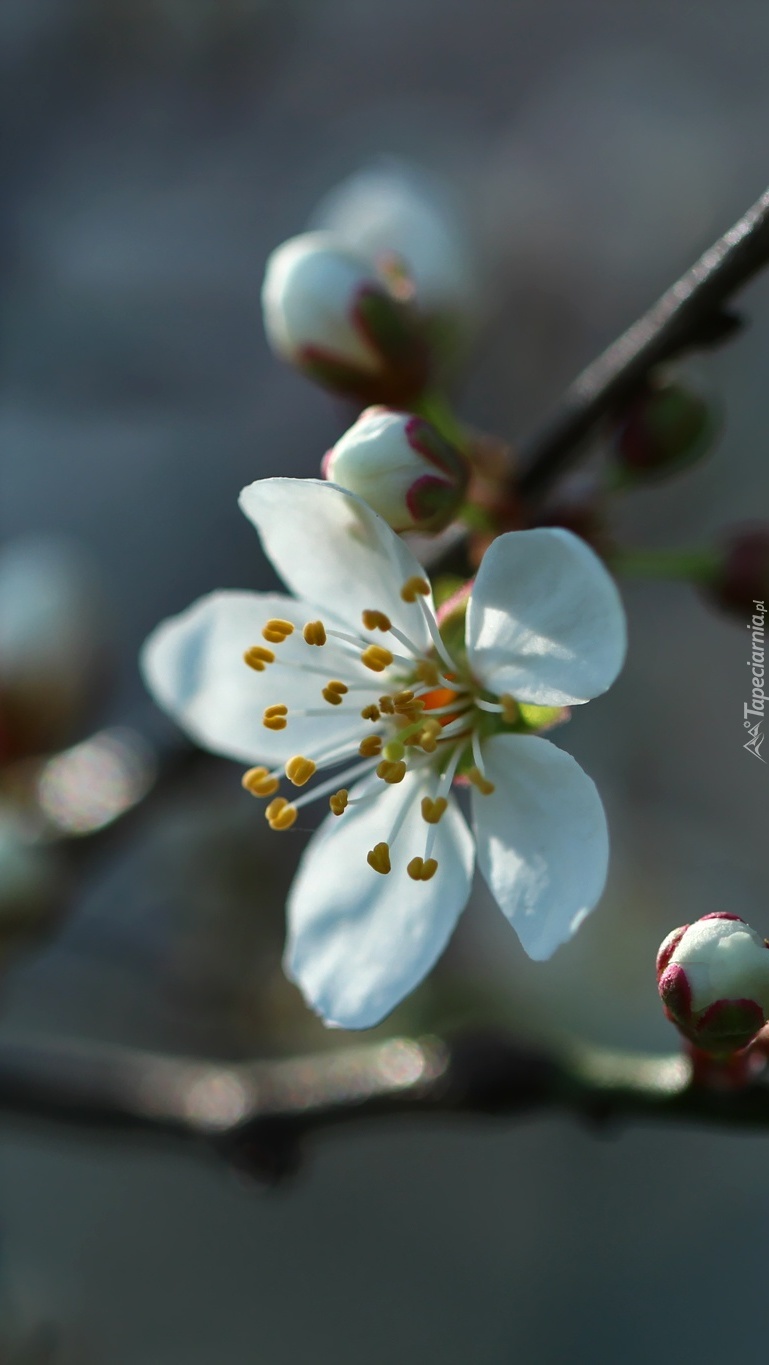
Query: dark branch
[693, 314]
[256, 1114]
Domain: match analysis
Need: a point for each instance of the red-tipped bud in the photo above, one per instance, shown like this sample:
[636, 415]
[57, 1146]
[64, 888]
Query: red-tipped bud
[327, 312]
[665, 428]
[402, 467]
[713, 980]
[740, 582]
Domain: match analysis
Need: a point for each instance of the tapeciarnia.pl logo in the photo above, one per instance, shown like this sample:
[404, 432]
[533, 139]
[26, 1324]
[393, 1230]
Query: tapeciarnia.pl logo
[753, 711]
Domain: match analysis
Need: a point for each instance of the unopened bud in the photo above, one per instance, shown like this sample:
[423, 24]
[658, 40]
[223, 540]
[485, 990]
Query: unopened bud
[740, 582]
[402, 467]
[327, 312]
[713, 980]
[663, 430]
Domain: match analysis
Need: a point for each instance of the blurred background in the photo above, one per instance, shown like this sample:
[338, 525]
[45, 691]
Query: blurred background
[154, 153]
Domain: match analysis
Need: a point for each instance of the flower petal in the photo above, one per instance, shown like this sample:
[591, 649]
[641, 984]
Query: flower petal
[543, 845]
[332, 550]
[359, 941]
[193, 666]
[545, 620]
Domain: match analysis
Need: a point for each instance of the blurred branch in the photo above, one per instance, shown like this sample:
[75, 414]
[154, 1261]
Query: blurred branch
[255, 1114]
[691, 315]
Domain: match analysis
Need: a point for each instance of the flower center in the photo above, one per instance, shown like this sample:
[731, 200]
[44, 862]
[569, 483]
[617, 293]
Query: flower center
[418, 711]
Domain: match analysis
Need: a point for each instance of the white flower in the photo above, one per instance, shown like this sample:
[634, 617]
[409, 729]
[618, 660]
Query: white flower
[402, 467]
[327, 312]
[353, 674]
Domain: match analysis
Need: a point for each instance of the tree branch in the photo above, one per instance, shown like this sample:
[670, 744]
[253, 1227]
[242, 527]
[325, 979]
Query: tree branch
[256, 1114]
[692, 314]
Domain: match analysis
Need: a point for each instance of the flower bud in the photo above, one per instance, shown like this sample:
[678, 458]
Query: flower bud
[741, 577]
[402, 467]
[664, 429]
[53, 649]
[326, 312]
[713, 980]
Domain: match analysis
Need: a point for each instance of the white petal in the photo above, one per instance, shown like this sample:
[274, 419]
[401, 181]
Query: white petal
[543, 845]
[545, 621]
[331, 549]
[359, 941]
[193, 666]
[310, 289]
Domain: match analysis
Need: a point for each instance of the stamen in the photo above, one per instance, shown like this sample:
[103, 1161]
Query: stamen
[390, 771]
[299, 770]
[315, 633]
[433, 810]
[427, 672]
[279, 814]
[338, 802]
[332, 784]
[376, 658]
[334, 691]
[260, 782]
[477, 755]
[436, 637]
[371, 712]
[379, 858]
[421, 870]
[376, 620]
[413, 588]
[428, 738]
[507, 707]
[371, 746]
[277, 630]
[274, 717]
[386, 704]
[257, 657]
[481, 782]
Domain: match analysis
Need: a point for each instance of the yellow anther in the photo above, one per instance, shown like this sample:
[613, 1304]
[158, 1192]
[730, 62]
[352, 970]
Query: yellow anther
[394, 750]
[376, 620]
[334, 691]
[409, 708]
[274, 717]
[277, 630]
[379, 858]
[433, 810]
[257, 657]
[428, 738]
[413, 588]
[510, 712]
[386, 705]
[315, 633]
[428, 672]
[390, 771]
[421, 870]
[279, 814]
[260, 782]
[401, 698]
[376, 658]
[370, 746]
[370, 712]
[338, 802]
[299, 770]
[482, 783]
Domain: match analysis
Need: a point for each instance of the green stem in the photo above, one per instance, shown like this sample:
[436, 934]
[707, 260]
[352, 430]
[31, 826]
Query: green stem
[693, 566]
[437, 409]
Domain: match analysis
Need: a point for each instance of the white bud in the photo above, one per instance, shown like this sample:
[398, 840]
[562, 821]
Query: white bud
[311, 288]
[395, 211]
[402, 467]
[713, 978]
[52, 641]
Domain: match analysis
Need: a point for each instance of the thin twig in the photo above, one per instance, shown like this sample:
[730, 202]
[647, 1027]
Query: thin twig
[692, 314]
[256, 1114]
